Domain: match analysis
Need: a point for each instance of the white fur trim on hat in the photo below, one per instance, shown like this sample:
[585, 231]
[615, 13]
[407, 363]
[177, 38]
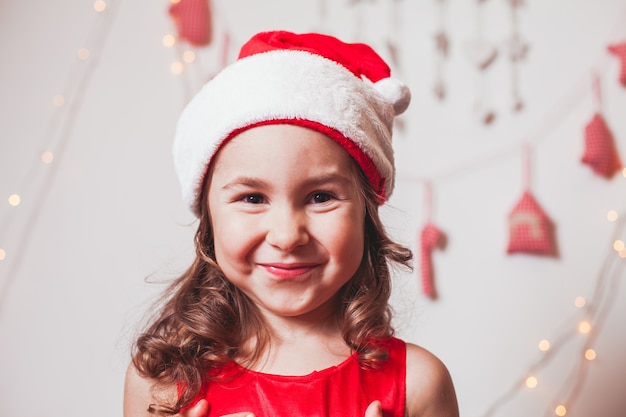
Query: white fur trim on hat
[286, 84]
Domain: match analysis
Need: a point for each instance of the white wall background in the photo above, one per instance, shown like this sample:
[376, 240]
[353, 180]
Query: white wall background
[106, 213]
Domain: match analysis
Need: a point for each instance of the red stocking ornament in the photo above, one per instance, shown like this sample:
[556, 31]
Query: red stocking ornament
[193, 21]
[619, 50]
[531, 231]
[600, 150]
[430, 238]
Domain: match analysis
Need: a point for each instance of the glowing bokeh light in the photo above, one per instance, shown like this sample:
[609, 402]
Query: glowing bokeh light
[189, 56]
[580, 302]
[177, 68]
[584, 327]
[14, 200]
[168, 40]
[544, 345]
[58, 100]
[83, 54]
[99, 6]
[612, 215]
[47, 157]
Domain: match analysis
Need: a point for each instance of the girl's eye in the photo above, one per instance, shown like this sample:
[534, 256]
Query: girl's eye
[321, 197]
[253, 199]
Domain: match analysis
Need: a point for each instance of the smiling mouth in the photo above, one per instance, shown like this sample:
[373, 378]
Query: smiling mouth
[288, 271]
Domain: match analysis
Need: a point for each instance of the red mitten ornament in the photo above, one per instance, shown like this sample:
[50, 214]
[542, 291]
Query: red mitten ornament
[430, 238]
[619, 50]
[531, 231]
[193, 21]
[600, 150]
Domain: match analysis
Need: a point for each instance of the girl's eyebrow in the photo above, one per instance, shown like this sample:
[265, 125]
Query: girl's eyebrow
[253, 182]
[245, 182]
[329, 178]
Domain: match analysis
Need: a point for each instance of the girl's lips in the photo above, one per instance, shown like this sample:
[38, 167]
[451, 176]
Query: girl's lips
[287, 271]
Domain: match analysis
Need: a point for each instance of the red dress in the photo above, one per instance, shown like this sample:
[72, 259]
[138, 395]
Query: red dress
[344, 390]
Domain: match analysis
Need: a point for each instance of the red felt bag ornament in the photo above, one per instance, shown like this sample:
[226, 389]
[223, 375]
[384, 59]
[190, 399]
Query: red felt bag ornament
[600, 149]
[530, 229]
[193, 21]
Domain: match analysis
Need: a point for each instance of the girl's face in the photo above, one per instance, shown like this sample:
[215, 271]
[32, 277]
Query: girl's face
[287, 218]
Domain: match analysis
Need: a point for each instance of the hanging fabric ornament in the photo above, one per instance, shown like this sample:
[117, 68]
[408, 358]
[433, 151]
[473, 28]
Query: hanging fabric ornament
[430, 239]
[619, 50]
[530, 230]
[193, 21]
[600, 150]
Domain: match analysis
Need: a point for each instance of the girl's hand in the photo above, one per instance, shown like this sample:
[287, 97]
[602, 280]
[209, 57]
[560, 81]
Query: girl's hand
[375, 409]
[202, 408]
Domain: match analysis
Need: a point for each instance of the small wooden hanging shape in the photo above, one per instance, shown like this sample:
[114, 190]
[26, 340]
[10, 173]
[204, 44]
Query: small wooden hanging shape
[531, 231]
[600, 149]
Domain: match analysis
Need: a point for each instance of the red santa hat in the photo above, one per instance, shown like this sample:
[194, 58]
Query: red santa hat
[343, 90]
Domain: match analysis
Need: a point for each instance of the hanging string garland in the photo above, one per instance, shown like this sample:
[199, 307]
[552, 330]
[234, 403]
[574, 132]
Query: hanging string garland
[540, 132]
[531, 231]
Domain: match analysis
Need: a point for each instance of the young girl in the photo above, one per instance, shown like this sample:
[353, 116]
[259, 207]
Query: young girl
[285, 157]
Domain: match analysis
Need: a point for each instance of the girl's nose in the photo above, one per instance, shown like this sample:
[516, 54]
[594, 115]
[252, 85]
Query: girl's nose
[287, 229]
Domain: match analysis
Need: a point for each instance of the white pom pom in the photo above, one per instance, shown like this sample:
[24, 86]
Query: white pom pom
[396, 93]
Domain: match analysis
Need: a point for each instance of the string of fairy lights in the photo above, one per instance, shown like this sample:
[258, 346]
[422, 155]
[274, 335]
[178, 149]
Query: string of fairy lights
[583, 327]
[42, 169]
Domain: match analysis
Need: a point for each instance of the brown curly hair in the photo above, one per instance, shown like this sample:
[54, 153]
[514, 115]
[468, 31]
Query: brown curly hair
[204, 319]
